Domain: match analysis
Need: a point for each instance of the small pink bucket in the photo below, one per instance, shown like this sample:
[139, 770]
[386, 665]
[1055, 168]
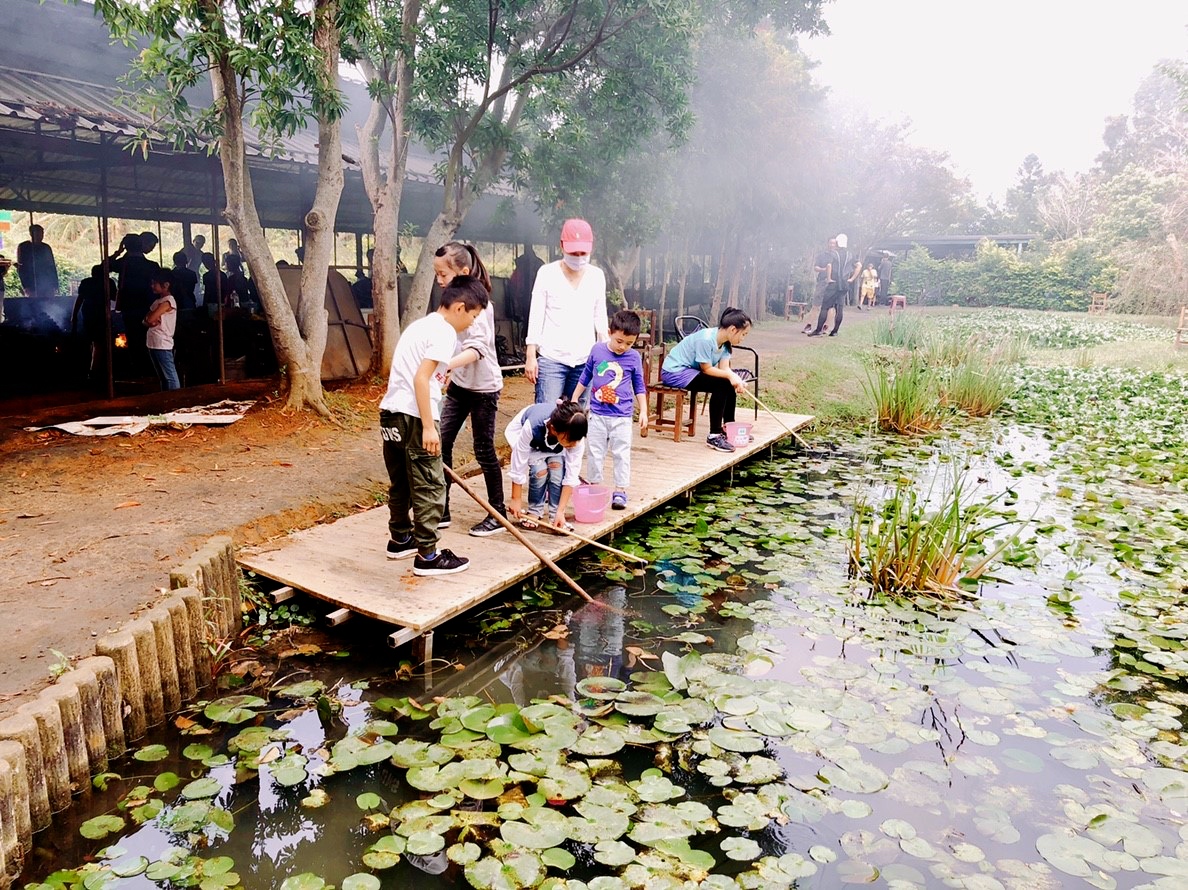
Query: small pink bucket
[738, 434]
[589, 502]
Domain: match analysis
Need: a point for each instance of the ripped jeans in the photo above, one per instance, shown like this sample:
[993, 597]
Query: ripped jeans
[545, 472]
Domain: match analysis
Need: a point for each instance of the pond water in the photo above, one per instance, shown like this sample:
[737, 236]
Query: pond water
[757, 718]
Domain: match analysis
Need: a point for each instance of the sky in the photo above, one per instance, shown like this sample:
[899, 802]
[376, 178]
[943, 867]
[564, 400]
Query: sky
[991, 82]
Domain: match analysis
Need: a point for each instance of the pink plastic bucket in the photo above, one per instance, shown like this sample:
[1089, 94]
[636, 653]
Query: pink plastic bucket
[738, 434]
[589, 502]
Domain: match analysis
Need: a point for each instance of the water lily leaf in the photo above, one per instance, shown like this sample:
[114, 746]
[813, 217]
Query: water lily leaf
[654, 787]
[316, 799]
[369, 800]
[289, 770]
[166, 781]
[733, 740]
[855, 776]
[200, 788]
[540, 829]
[482, 789]
[408, 753]
[304, 689]
[507, 729]
[152, 753]
[613, 853]
[823, 854]
[248, 740]
[425, 843]
[601, 741]
[679, 847]
[557, 858]
[741, 849]
[518, 869]
[234, 708]
[639, 704]
[600, 688]
[1023, 761]
[758, 770]
[305, 881]
[898, 829]
[1069, 853]
[100, 826]
[130, 867]
[476, 719]
[598, 824]
[361, 881]
[384, 853]
[464, 854]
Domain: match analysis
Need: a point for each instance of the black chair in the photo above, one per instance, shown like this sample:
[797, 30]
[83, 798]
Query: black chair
[690, 324]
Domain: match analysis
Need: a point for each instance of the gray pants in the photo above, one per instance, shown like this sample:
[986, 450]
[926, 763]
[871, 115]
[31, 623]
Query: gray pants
[613, 433]
[416, 482]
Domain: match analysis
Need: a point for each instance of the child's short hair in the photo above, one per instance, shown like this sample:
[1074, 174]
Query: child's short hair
[180, 259]
[465, 289]
[626, 321]
[162, 276]
[734, 318]
[569, 420]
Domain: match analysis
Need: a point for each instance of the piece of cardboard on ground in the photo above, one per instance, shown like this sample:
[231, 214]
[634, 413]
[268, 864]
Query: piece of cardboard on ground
[217, 414]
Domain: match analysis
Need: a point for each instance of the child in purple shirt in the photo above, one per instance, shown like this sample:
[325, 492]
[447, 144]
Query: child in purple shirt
[614, 375]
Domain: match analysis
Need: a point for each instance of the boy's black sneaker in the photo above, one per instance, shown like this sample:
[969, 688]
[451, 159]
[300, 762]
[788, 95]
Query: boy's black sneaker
[718, 442]
[402, 549]
[445, 563]
[486, 528]
[445, 522]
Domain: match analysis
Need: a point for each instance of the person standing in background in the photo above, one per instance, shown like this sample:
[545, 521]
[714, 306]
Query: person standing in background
[36, 266]
[193, 252]
[884, 278]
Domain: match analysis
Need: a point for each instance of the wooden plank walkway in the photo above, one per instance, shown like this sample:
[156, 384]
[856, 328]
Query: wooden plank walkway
[344, 562]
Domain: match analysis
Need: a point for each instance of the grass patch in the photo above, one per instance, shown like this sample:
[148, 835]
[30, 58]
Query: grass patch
[900, 330]
[980, 385]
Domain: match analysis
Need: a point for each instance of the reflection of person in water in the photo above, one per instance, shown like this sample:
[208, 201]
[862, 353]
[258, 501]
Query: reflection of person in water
[594, 648]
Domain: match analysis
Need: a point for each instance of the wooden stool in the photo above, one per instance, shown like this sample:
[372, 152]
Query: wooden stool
[898, 301]
[678, 423]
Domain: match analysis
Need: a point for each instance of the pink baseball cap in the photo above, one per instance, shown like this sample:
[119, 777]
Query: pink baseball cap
[577, 236]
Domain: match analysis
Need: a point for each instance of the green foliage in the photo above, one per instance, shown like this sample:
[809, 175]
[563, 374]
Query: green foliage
[906, 395]
[1061, 279]
[979, 385]
[907, 545]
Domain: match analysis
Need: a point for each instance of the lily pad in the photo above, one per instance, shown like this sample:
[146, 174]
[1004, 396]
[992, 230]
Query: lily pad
[234, 709]
[202, 788]
[152, 753]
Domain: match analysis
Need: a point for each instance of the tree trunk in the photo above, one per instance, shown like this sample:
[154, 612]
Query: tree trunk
[441, 230]
[736, 261]
[385, 191]
[761, 304]
[620, 266]
[293, 353]
[658, 334]
[719, 285]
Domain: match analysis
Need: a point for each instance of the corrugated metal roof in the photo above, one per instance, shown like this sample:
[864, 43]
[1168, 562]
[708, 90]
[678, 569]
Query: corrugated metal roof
[90, 106]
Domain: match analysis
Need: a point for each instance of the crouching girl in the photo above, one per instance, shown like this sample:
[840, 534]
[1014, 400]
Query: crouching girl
[548, 447]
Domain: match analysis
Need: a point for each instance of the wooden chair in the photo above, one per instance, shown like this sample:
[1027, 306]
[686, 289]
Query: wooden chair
[792, 306]
[678, 423]
[1099, 304]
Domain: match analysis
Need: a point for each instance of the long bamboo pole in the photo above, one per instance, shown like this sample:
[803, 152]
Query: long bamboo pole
[755, 399]
[520, 536]
[607, 547]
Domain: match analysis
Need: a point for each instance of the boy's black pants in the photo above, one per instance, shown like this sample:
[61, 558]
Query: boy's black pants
[416, 481]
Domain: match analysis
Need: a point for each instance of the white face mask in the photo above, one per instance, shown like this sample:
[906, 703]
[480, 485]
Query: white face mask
[577, 263]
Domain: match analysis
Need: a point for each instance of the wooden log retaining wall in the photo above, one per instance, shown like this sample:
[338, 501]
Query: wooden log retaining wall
[140, 675]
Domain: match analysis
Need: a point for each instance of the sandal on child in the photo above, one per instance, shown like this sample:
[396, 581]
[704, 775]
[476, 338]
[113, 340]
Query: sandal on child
[619, 500]
[527, 522]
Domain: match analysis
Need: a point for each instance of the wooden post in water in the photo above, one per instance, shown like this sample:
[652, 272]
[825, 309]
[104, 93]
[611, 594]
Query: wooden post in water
[53, 751]
[111, 702]
[86, 682]
[13, 753]
[183, 646]
[150, 670]
[120, 647]
[166, 659]
[68, 701]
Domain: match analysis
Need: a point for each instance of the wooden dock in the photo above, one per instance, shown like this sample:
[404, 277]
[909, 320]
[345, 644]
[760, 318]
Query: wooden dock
[344, 562]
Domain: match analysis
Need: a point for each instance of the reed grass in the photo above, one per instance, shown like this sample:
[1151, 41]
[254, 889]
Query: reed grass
[980, 385]
[901, 547]
[906, 395]
[900, 330]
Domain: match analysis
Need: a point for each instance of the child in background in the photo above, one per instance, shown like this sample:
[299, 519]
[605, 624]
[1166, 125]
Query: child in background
[475, 384]
[614, 373]
[701, 363]
[408, 426]
[161, 322]
[548, 444]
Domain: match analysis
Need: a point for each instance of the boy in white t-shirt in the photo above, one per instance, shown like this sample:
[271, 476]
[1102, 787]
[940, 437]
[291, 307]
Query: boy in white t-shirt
[409, 414]
[161, 322]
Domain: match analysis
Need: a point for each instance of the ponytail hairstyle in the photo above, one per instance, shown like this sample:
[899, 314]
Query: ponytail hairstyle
[569, 420]
[734, 318]
[463, 256]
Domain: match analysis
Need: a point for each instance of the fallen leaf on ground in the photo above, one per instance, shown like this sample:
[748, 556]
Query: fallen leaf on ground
[127, 504]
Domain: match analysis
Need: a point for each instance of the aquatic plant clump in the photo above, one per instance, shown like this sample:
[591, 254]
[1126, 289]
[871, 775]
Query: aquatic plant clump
[978, 385]
[1048, 330]
[907, 545]
[906, 395]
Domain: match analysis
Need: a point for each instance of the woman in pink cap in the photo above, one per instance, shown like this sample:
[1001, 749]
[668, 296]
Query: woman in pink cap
[567, 317]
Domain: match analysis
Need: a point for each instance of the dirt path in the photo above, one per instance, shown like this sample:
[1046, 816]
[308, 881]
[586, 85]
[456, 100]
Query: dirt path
[89, 528]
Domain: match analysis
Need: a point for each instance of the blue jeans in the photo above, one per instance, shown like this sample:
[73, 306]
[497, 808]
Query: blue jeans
[554, 380]
[545, 473]
[166, 369]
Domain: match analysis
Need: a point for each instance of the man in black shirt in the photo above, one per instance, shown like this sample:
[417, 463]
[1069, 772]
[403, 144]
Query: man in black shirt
[185, 281]
[36, 266]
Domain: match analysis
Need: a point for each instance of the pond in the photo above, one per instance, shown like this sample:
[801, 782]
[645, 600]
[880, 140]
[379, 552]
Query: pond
[747, 714]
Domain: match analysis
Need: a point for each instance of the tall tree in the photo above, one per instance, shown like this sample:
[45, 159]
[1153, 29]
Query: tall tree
[498, 72]
[272, 66]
